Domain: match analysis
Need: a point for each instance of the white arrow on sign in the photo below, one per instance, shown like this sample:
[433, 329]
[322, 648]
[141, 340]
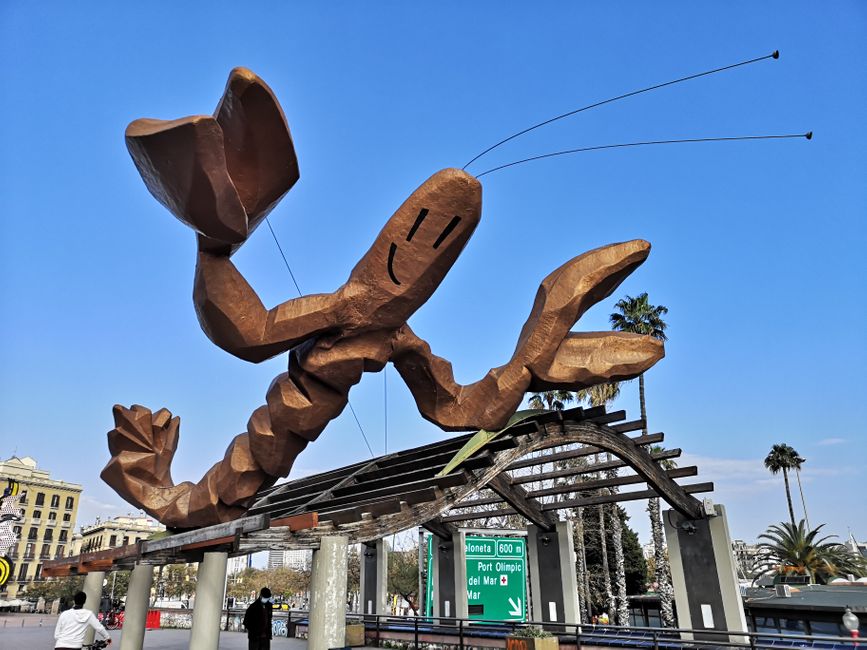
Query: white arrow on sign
[516, 610]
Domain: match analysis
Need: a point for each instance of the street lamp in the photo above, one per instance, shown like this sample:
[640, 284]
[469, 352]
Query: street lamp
[851, 622]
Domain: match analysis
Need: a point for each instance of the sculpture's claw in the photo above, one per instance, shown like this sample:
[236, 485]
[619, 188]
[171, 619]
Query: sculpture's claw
[183, 164]
[568, 292]
[585, 359]
[260, 154]
[142, 445]
[220, 175]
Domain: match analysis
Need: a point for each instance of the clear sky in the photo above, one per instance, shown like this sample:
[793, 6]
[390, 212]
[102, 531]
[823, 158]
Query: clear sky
[758, 248]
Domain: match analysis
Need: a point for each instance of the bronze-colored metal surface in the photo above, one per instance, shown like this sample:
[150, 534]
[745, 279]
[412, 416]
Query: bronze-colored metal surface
[221, 176]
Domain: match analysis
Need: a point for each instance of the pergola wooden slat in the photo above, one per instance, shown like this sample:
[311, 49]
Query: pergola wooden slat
[371, 499]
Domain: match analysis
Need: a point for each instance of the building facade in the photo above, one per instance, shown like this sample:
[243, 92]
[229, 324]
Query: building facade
[238, 564]
[297, 560]
[747, 558]
[45, 533]
[111, 533]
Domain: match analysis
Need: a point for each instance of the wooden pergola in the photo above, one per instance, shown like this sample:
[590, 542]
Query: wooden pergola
[369, 500]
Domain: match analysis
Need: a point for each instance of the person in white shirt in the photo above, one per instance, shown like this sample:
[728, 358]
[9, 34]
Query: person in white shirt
[73, 623]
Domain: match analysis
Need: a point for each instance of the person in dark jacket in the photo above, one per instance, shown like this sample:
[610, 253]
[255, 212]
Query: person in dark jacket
[257, 620]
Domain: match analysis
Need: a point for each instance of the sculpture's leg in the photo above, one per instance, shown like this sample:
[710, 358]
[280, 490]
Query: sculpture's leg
[234, 318]
[547, 356]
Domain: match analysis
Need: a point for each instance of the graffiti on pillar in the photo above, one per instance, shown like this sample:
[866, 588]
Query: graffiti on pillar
[10, 514]
[278, 627]
[176, 620]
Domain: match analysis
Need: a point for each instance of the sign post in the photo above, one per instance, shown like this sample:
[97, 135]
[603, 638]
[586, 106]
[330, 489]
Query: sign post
[496, 578]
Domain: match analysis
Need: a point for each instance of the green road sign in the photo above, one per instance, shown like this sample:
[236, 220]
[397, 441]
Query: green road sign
[496, 578]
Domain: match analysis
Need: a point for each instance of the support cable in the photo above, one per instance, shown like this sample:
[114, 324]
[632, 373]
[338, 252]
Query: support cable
[295, 282]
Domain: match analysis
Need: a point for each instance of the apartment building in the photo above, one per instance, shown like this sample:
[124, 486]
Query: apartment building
[111, 533]
[49, 509]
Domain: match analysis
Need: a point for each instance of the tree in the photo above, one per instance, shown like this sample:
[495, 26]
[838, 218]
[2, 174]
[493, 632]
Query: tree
[638, 316]
[602, 395]
[661, 568]
[403, 576]
[783, 458]
[54, 588]
[634, 563]
[553, 400]
[179, 581]
[793, 549]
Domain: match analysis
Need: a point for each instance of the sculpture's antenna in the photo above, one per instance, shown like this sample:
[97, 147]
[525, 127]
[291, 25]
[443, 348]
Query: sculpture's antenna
[295, 282]
[808, 136]
[774, 55]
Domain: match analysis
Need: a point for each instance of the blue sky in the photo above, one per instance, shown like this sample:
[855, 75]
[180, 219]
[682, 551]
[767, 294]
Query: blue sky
[758, 248]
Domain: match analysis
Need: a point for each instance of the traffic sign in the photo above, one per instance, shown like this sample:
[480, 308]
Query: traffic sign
[496, 578]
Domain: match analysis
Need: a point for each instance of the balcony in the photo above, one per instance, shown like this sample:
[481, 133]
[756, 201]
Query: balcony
[51, 522]
[35, 522]
[66, 524]
[28, 556]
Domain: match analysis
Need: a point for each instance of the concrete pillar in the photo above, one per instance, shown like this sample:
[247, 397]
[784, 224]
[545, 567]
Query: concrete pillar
[328, 595]
[137, 602]
[449, 573]
[93, 588]
[208, 608]
[374, 577]
[553, 582]
[703, 574]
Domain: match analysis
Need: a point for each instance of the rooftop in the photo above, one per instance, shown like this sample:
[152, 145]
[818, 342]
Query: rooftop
[812, 597]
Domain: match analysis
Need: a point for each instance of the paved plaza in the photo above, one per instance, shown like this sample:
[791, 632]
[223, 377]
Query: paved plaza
[30, 636]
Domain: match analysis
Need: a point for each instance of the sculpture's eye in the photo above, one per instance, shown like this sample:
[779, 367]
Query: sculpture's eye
[447, 231]
[421, 215]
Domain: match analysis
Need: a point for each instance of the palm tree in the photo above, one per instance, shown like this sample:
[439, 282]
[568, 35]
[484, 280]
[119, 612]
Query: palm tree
[794, 549]
[602, 395]
[553, 400]
[662, 571]
[783, 458]
[638, 316]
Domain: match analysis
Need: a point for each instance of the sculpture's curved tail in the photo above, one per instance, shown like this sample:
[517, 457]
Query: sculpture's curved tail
[300, 403]
[143, 445]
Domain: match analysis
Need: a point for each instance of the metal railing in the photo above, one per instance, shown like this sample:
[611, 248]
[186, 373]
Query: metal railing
[462, 632]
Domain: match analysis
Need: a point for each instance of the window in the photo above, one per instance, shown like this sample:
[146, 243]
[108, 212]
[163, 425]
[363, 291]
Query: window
[22, 572]
[62, 537]
[767, 624]
[59, 552]
[33, 534]
[55, 500]
[29, 550]
[49, 534]
[125, 540]
[46, 551]
[40, 498]
[38, 574]
[112, 541]
[793, 626]
[825, 628]
[16, 530]
[70, 503]
[37, 514]
[66, 517]
[23, 494]
[52, 516]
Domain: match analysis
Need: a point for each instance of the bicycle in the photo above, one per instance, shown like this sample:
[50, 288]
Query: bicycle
[98, 644]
